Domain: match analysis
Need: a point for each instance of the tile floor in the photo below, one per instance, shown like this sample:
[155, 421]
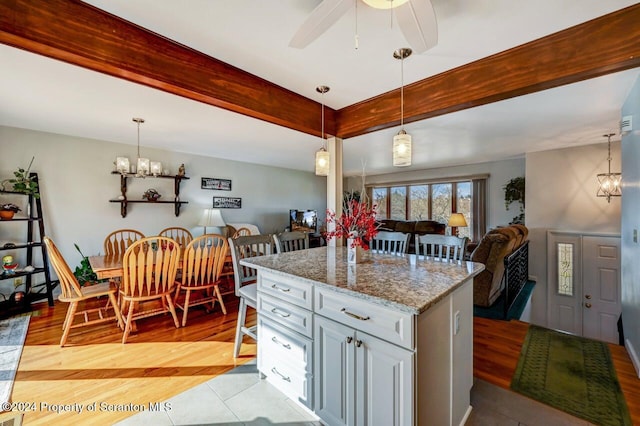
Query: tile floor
[239, 397]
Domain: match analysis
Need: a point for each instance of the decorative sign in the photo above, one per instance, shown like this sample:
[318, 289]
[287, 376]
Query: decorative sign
[227, 202]
[216, 183]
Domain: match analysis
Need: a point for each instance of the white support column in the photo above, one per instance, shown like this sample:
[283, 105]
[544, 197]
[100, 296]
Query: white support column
[334, 183]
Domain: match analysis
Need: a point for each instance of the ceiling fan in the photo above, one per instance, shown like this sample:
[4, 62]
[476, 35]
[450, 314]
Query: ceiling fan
[416, 19]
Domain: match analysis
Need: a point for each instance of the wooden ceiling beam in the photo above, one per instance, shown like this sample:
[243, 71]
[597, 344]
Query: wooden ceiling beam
[604, 45]
[80, 34]
[83, 35]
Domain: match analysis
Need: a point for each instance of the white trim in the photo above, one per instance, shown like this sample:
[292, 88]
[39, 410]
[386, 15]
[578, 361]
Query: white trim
[633, 355]
[466, 416]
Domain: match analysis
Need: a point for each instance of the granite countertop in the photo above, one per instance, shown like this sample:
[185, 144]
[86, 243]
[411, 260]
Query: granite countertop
[407, 283]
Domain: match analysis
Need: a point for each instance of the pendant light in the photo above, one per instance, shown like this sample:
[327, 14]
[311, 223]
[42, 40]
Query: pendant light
[142, 165]
[322, 156]
[402, 141]
[610, 184]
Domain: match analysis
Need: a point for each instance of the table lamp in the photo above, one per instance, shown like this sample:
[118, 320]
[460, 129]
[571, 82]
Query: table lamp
[455, 221]
[213, 217]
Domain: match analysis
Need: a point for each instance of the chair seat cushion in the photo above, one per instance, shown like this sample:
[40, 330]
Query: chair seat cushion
[250, 293]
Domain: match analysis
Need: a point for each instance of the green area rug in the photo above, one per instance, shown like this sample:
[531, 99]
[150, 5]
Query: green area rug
[572, 374]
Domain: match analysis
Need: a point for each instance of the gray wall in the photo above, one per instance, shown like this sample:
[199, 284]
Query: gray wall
[561, 195]
[76, 185]
[631, 223]
[500, 172]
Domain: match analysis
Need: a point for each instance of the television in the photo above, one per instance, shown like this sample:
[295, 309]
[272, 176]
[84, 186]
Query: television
[303, 220]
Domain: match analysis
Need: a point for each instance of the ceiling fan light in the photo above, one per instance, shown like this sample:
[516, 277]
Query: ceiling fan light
[322, 162]
[402, 149]
[385, 4]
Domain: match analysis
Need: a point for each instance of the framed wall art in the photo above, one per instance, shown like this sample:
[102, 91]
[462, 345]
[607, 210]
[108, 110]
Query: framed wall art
[227, 202]
[216, 184]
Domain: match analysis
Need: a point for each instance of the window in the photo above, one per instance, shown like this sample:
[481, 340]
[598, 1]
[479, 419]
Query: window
[434, 201]
[565, 269]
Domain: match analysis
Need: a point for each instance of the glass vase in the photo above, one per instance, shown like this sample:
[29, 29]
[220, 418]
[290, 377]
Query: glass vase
[355, 254]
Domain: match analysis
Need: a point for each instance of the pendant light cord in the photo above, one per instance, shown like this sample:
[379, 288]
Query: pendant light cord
[323, 139]
[138, 139]
[609, 157]
[401, 93]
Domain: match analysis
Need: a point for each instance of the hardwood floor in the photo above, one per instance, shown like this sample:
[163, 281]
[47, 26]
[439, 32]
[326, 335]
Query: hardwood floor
[160, 361]
[496, 349]
[157, 362]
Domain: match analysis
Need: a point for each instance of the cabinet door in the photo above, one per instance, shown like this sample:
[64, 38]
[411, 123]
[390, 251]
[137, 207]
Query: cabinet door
[384, 382]
[334, 372]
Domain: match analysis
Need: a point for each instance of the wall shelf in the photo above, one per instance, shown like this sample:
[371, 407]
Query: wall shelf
[124, 202]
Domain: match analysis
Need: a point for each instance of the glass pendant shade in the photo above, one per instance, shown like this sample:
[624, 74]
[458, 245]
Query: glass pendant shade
[156, 168]
[322, 162]
[142, 166]
[122, 164]
[609, 184]
[402, 149]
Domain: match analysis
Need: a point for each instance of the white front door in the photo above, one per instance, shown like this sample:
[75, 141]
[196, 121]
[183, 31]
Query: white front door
[584, 284]
[564, 266]
[601, 291]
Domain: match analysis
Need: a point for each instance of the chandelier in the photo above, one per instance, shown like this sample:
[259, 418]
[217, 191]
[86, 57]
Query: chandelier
[609, 183]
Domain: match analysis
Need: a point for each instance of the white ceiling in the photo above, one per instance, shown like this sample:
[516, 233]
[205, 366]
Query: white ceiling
[43, 94]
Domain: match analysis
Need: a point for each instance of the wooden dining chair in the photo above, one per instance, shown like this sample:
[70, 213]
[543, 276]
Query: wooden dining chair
[442, 247]
[149, 268]
[242, 232]
[390, 242]
[291, 241]
[74, 294]
[245, 279]
[117, 242]
[202, 262]
[181, 235]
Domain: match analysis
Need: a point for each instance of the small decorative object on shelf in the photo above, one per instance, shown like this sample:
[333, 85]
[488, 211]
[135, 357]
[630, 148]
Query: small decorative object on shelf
[181, 170]
[8, 210]
[8, 265]
[151, 195]
[357, 223]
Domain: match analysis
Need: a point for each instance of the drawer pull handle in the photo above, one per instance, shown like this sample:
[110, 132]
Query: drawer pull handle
[280, 288]
[280, 313]
[287, 379]
[358, 343]
[284, 345]
[349, 339]
[356, 316]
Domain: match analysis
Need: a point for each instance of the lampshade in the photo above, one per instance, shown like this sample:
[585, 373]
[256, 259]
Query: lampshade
[322, 162]
[457, 220]
[156, 168]
[212, 217]
[122, 164]
[609, 184]
[402, 149]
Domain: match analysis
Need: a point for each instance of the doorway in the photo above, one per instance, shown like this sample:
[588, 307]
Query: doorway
[583, 273]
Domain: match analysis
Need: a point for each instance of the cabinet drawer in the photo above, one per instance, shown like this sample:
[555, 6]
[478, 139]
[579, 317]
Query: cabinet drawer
[387, 324]
[286, 314]
[280, 343]
[290, 379]
[290, 290]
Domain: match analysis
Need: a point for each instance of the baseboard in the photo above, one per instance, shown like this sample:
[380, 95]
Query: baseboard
[533, 278]
[633, 355]
[466, 416]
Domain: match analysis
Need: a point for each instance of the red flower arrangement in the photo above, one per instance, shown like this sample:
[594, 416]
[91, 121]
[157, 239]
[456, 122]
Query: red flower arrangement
[358, 222]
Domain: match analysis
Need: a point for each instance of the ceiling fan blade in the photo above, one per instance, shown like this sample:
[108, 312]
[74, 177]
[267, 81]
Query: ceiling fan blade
[320, 20]
[417, 20]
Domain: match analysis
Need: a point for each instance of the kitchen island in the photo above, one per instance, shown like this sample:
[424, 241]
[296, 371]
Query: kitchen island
[388, 341]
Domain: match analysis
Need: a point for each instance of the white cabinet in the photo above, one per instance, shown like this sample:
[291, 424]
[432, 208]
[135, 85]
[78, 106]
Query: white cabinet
[360, 379]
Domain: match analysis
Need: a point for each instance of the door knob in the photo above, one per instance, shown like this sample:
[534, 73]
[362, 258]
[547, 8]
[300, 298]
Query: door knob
[587, 305]
[587, 296]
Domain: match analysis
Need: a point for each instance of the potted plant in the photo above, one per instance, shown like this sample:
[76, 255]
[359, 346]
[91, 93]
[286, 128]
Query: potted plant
[8, 210]
[514, 191]
[22, 182]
